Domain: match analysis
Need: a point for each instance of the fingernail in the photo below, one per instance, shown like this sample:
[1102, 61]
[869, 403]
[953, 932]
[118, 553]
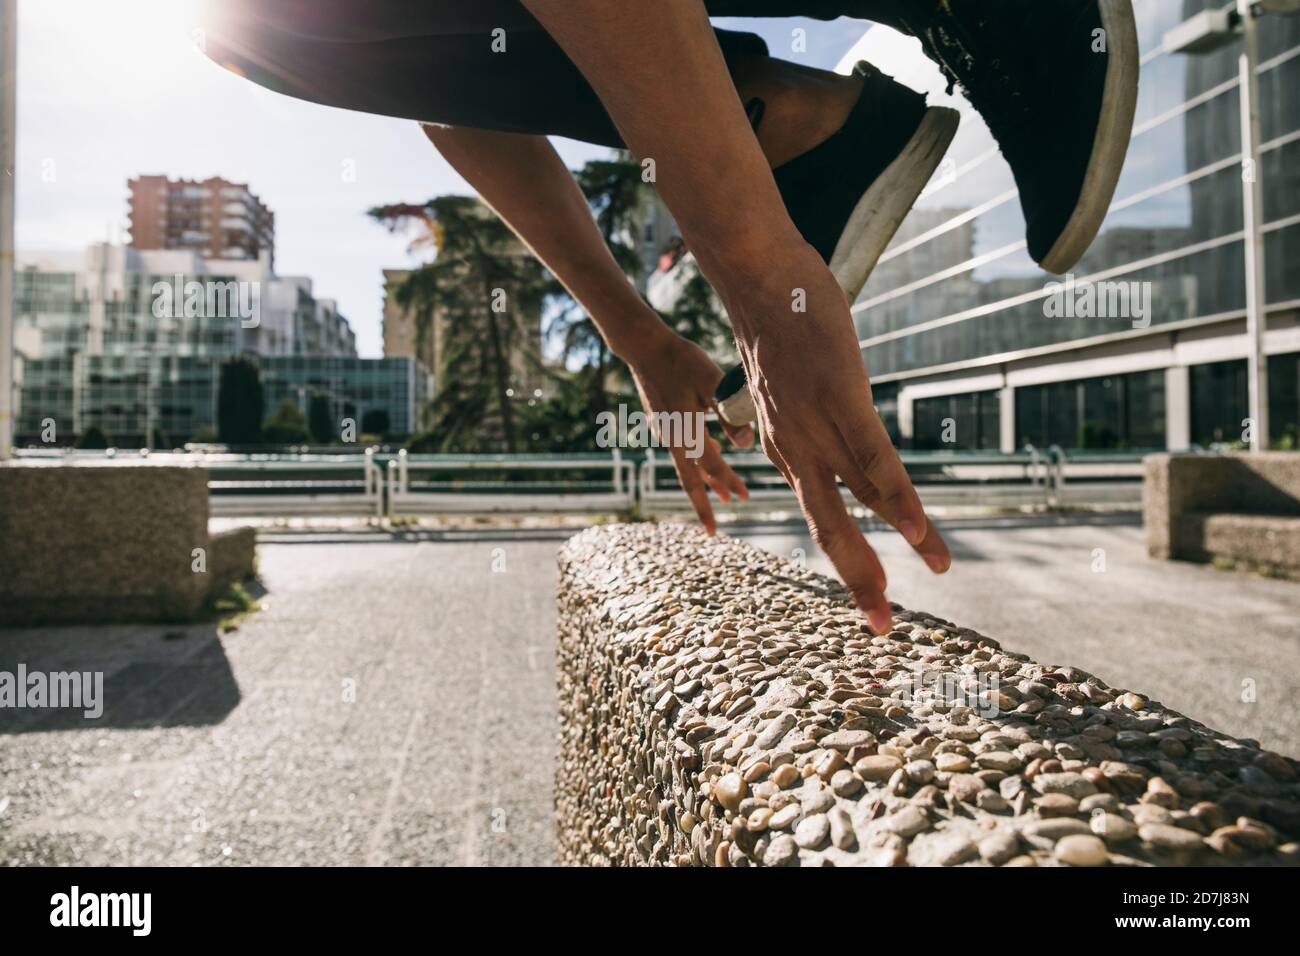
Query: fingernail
[909, 530]
[936, 562]
[881, 621]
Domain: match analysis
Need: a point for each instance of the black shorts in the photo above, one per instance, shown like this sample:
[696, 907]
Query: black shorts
[478, 63]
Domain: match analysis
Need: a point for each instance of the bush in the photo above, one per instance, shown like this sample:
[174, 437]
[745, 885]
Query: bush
[287, 426]
[93, 438]
[376, 422]
[321, 420]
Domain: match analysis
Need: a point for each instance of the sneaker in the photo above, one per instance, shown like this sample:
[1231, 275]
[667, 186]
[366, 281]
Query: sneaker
[849, 194]
[1056, 82]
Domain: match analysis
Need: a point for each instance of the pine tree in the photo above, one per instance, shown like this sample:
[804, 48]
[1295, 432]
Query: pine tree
[240, 402]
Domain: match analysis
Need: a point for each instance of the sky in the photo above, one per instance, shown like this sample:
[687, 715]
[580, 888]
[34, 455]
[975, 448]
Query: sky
[112, 90]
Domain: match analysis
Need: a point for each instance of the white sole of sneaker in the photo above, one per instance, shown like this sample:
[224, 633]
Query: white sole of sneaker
[1109, 145]
[887, 201]
[874, 220]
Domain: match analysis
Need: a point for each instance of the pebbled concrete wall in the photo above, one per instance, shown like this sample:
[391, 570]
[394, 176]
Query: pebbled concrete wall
[722, 706]
[101, 543]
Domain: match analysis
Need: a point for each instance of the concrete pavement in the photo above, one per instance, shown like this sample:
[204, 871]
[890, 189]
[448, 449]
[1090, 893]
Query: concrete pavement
[393, 704]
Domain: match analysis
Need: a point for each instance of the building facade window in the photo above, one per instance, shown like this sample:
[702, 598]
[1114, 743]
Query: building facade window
[1115, 412]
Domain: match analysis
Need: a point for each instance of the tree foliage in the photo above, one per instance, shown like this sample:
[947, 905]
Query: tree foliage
[320, 419]
[481, 350]
[286, 426]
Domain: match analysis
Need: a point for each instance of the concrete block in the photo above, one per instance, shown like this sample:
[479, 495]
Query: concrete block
[1180, 492]
[99, 543]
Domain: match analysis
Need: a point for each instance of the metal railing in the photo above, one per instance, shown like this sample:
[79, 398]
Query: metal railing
[387, 485]
[254, 485]
[438, 484]
[1023, 479]
[1082, 478]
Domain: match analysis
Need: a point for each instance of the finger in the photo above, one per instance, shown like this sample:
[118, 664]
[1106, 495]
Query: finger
[716, 485]
[888, 490]
[840, 540]
[932, 548]
[693, 485]
[722, 473]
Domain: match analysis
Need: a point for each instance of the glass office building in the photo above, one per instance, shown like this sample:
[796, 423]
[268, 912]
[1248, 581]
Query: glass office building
[94, 349]
[128, 396]
[954, 323]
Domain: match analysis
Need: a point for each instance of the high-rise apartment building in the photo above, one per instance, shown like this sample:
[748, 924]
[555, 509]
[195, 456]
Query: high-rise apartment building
[406, 332]
[213, 217]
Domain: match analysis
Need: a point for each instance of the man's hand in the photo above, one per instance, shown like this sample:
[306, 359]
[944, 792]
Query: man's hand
[675, 375]
[809, 384]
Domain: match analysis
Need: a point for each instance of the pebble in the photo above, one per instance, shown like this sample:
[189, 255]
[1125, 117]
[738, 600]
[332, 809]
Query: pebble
[992, 801]
[842, 834]
[1168, 837]
[1099, 801]
[782, 851]
[919, 772]
[1057, 805]
[1112, 828]
[1055, 829]
[952, 763]
[1080, 850]
[1069, 783]
[999, 846]
[845, 783]
[776, 730]
[812, 831]
[829, 764]
[785, 776]
[818, 801]
[846, 740]
[729, 791]
[908, 822]
[784, 817]
[965, 787]
[877, 767]
[1003, 760]
[952, 849]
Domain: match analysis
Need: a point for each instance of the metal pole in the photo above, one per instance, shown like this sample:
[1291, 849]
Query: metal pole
[1252, 221]
[8, 160]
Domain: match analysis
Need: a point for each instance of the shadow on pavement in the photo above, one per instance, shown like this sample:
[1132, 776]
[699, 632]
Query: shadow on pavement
[141, 677]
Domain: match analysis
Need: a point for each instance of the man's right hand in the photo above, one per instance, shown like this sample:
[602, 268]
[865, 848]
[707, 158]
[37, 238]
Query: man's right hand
[817, 420]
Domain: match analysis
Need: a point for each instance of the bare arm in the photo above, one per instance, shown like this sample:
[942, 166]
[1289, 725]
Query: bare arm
[527, 184]
[664, 82]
